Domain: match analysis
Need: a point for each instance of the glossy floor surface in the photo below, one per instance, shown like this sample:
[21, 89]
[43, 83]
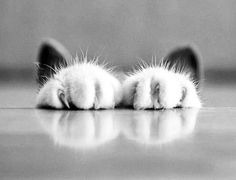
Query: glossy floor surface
[122, 144]
[117, 144]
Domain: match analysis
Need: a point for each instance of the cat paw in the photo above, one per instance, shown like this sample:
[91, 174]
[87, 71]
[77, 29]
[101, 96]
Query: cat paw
[81, 86]
[74, 83]
[157, 88]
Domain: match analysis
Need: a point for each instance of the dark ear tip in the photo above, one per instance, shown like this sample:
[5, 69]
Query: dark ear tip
[50, 44]
[190, 56]
[194, 51]
[51, 56]
[191, 49]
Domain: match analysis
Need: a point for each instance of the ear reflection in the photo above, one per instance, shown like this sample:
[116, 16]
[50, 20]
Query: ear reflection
[90, 129]
[159, 127]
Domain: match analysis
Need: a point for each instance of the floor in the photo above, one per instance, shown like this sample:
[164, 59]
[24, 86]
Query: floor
[117, 144]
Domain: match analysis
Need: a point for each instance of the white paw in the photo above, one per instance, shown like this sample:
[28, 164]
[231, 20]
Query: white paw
[156, 88]
[82, 86]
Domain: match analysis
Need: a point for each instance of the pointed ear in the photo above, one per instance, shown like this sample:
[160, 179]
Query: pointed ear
[186, 59]
[52, 55]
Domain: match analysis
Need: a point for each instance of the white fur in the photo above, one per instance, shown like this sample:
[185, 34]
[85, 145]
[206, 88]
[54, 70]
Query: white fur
[89, 129]
[86, 85]
[89, 85]
[157, 87]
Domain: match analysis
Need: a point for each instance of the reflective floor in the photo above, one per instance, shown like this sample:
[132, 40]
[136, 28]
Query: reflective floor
[120, 144]
[117, 144]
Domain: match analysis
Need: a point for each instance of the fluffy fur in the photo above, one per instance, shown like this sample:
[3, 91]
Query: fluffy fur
[84, 85]
[81, 83]
[157, 87]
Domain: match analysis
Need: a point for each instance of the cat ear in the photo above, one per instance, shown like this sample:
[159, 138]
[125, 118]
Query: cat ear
[52, 55]
[185, 59]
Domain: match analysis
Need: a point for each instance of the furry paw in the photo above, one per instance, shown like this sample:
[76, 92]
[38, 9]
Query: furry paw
[157, 87]
[82, 86]
[173, 83]
[76, 83]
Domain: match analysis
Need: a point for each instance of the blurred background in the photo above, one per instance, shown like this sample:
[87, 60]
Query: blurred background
[122, 31]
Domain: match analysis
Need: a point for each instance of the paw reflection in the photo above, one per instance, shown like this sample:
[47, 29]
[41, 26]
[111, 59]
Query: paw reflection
[80, 129]
[90, 129]
[159, 127]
